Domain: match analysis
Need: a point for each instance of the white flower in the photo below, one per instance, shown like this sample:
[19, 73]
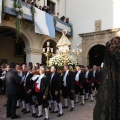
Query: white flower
[17, 9]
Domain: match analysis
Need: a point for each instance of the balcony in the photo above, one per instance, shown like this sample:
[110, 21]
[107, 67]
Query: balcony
[27, 15]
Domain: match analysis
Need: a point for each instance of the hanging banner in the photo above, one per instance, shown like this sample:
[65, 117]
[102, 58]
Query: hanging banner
[0, 10]
[44, 23]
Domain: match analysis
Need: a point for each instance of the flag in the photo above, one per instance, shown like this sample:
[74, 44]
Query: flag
[9, 8]
[0, 10]
[44, 23]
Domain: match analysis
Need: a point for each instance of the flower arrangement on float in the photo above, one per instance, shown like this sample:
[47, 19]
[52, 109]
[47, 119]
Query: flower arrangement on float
[61, 61]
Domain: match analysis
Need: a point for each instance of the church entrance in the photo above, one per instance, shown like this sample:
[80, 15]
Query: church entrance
[52, 45]
[96, 55]
[11, 50]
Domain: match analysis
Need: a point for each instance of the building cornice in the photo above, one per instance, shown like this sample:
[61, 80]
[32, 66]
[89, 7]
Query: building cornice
[100, 32]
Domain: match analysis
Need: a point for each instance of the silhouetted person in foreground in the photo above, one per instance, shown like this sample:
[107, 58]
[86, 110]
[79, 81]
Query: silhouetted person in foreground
[108, 97]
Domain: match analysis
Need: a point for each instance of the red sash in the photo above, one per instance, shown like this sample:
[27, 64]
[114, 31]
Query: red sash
[77, 83]
[36, 89]
[96, 81]
[87, 81]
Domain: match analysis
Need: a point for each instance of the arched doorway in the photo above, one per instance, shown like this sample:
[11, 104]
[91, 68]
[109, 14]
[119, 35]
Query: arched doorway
[96, 55]
[11, 50]
[52, 45]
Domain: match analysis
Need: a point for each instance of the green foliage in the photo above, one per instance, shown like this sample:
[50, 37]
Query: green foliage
[33, 11]
[18, 27]
[19, 13]
[3, 6]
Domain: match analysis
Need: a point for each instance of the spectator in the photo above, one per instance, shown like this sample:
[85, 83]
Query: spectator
[43, 8]
[67, 20]
[40, 7]
[48, 10]
[63, 18]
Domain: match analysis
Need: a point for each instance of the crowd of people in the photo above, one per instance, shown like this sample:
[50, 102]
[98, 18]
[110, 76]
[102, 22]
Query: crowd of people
[47, 9]
[37, 87]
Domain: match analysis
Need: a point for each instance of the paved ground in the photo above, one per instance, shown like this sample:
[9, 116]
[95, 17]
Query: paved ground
[80, 113]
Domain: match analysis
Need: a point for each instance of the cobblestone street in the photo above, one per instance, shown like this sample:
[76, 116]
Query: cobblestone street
[81, 112]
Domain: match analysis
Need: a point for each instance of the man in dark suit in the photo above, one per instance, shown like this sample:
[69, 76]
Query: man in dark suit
[95, 79]
[41, 89]
[12, 83]
[55, 85]
[68, 87]
[79, 83]
[88, 82]
[99, 69]
[29, 91]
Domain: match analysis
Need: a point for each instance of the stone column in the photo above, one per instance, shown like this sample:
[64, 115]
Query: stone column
[33, 55]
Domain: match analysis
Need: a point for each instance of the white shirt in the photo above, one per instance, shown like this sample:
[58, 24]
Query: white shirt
[86, 74]
[34, 77]
[94, 73]
[52, 76]
[64, 79]
[20, 74]
[25, 77]
[39, 80]
[77, 75]
[3, 75]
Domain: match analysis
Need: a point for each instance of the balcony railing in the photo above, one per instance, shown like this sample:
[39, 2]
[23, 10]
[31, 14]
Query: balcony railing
[27, 14]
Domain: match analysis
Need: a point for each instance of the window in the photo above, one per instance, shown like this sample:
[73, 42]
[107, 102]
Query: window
[52, 6]
[19, 49]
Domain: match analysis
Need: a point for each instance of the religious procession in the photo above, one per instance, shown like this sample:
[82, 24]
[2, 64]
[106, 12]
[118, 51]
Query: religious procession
[39, 86]
[58, 62]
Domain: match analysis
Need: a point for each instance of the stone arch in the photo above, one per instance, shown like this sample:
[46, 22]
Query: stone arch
[85, 56]
[24, 34]
[92, 45]
[96, 55]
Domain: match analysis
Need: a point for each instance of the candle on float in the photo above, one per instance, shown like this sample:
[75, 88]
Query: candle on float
[52, 50]
[47, 49]
[48, 43]
[43, 49]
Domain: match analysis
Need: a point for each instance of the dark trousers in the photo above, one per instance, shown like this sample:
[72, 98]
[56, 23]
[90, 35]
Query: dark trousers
[1, 85]
[96, 85]
[78, 90]
[4, 87]
[41, 101]
[49, 96]
[67, 93]
[11, 105]
[88, 88]
[22, 93]
[28, 99]
[56, 97]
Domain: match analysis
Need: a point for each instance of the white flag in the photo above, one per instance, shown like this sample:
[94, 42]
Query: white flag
[44, 23]
[0, 10]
